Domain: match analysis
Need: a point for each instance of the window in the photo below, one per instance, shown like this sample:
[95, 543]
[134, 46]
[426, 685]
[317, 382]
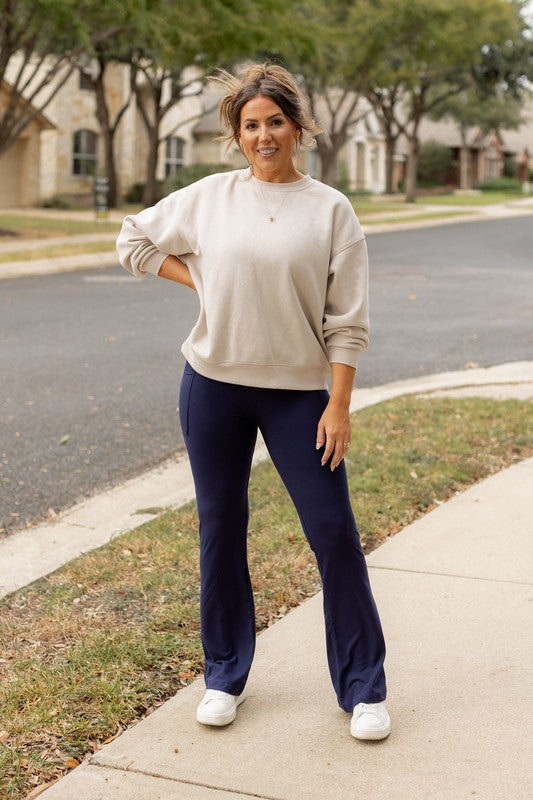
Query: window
[86, 80]
[84, 152]
[173, 155]
[493, 163]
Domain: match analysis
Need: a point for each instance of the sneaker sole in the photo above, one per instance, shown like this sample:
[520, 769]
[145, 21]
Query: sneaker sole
[219, 720]
[375, 735]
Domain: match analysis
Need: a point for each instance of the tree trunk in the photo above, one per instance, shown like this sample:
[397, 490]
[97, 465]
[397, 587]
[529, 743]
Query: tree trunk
[150, 192]
[412, 165]
[328, 166]
[464, 161]
[329, 153]
[108, 134]
[390, 143]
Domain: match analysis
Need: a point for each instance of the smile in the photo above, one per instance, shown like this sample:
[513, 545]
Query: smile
[267, 151]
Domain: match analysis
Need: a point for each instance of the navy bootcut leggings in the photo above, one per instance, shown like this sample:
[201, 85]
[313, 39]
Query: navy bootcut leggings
[220, 422]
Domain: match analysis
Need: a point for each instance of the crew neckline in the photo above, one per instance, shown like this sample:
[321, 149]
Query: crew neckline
[271, 186]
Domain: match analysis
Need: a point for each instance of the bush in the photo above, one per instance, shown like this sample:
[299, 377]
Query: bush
[434, 162]
[343, 180]
[499, 185]
[55, 202]
[186, 175]
[360, 193]
[135, 192]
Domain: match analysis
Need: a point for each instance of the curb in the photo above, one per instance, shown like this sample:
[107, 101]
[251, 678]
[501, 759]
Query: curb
[35, 552]
[48, 266]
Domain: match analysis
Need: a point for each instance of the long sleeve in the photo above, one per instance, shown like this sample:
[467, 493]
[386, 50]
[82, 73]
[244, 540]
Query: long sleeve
[147, 238]
[345, 322]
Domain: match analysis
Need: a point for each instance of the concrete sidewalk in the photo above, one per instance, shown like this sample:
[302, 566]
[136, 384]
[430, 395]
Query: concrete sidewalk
[454, 593]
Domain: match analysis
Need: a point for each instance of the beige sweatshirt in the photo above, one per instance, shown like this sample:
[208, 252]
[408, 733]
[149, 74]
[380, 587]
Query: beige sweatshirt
[279, 300]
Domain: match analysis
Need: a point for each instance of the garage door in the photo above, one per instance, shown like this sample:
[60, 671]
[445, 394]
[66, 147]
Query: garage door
[11, 170]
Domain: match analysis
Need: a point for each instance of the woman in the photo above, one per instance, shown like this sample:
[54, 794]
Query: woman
[280, 266]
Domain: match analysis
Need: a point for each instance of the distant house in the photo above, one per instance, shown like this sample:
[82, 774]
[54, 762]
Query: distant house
[60, 152]
[484, 155]
[23, 161]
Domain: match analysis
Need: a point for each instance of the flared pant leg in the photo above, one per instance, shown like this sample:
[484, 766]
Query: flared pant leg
[220, 441]
[354, 637]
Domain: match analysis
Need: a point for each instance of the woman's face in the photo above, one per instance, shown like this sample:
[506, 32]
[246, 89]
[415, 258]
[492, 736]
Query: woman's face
[267, 138]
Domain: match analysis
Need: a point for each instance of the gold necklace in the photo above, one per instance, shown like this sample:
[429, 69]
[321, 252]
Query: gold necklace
[271, 214]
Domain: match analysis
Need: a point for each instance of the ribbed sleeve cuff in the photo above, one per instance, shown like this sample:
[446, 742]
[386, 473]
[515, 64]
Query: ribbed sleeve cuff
[153, 263]
[344, 355]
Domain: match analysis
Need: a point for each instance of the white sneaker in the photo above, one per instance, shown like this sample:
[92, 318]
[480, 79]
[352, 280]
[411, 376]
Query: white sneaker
[218, 708]
[370, 721]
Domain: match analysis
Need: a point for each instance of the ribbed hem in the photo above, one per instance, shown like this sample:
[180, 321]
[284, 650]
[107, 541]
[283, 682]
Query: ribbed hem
[259, 375]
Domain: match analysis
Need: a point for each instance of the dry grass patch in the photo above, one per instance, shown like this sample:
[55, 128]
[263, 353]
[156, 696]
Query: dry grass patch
[105, 639]
[28, 227]
[58, 251]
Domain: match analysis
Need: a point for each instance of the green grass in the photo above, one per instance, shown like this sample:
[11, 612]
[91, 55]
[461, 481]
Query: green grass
[35, 227]
[102, 641]
[366, 206]
[413, 218]
[483, 199]
[58, 251]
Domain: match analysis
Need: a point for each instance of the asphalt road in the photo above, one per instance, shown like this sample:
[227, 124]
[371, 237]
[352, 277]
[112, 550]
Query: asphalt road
[90, 361]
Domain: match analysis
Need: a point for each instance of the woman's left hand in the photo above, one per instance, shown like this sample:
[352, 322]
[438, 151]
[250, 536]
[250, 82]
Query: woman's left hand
[334, 431]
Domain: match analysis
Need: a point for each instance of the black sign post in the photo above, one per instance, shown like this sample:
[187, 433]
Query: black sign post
[101, 196]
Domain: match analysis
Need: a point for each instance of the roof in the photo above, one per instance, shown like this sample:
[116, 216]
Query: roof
[40, 118]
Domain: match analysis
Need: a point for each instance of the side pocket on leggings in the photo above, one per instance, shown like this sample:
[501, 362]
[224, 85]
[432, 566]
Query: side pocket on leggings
[185, 399]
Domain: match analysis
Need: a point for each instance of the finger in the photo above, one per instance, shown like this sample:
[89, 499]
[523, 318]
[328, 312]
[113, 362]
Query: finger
[320, 435]
[338, 454]
[330, 446]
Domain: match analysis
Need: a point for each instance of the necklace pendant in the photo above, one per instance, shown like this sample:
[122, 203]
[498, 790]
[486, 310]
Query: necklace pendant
[270, 219]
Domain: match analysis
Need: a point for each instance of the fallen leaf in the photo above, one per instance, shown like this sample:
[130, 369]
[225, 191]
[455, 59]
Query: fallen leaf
[64, 439]
[71, 763]
[413, 474]
[471, 365]
[4, 736]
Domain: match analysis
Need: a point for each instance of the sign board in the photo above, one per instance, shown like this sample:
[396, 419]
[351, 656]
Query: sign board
[101, 195]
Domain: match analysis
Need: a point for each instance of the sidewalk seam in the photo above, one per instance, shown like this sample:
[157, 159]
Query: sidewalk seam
[184, 782]
[451, 574]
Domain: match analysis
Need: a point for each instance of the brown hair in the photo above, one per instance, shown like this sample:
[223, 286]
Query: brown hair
[266, 80]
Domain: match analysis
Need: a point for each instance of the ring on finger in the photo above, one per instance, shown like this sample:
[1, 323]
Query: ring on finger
[346, 445]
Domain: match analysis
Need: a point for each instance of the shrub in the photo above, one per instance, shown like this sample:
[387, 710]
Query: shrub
[361, 193]
[434, 161]
[55, 202]
[135, 192]
[186, 175]
[343, 180]
[499, 185]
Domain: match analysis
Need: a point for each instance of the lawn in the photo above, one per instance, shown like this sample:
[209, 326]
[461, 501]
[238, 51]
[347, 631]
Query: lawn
[36, 227]
[483, 199]
[58, 251]
[101, 642]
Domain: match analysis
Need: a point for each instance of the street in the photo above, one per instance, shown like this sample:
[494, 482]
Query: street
[91, 365]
